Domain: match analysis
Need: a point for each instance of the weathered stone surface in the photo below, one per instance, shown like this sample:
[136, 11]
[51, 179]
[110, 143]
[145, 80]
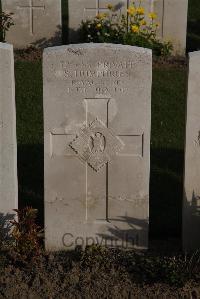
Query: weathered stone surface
[172, 17]
[191, 204]
[97, 101]
[37, 22]
[8, 147]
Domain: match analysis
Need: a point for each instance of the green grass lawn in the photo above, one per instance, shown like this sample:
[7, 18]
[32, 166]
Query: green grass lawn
[168, 106]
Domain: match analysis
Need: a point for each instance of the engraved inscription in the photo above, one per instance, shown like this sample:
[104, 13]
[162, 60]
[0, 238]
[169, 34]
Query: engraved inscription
[96, 144]
[102, 77]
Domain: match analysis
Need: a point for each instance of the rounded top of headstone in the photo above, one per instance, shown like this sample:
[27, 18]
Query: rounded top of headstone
[194, 54]
[88, 46]
[6, 46]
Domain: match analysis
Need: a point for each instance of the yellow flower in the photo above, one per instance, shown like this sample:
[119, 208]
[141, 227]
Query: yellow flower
[134, 28]
[143, 23]
[131, 10]
[152, 15]
[98, 25]
[101, 16]
[110, 6]
[140, 10]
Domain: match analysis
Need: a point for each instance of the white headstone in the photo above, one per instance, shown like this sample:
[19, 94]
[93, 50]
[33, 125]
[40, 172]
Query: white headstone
[37, 22]
[172, 17]
[191, 204]
[97, 113]
[8, 147]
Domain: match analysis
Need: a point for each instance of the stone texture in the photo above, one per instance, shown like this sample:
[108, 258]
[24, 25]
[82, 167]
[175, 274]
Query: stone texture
[191, 203]
[8, 147]
[97, 102]
[37, 22]
[172, 16]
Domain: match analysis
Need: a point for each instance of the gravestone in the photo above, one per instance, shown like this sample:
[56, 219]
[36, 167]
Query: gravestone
[8, 147]
[172, 17]
[173, 25]
[191, 203]
[97, 101]
[37, 22]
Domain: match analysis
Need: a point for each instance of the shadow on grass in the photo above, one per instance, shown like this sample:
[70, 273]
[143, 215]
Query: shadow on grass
[191, 222]
[193, 28]
[64, 22]
[193, 35]
[31, 178]
[166, 193]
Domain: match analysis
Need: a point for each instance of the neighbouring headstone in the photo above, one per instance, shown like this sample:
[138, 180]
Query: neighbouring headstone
[173, 25]
[37, 22]
[97, 114]
[191, 203]
[8, 147]
[172, 16]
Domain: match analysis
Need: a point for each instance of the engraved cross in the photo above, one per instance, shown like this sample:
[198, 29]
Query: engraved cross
[96, 145]
[31, 8]
[95, 9]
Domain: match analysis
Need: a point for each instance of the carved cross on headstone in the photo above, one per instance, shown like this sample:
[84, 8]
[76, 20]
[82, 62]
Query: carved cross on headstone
[31, 7]
[96, 144]
[100, 8]
[95, 9]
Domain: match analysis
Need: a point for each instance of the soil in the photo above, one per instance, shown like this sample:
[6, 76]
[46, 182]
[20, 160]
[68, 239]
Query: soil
[28, 54]
[170, 62]
[94, 273]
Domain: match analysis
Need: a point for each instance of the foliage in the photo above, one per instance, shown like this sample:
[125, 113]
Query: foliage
[193, 264]
[6, 22]
[175, 270]
[137, 28]
[26, 232]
